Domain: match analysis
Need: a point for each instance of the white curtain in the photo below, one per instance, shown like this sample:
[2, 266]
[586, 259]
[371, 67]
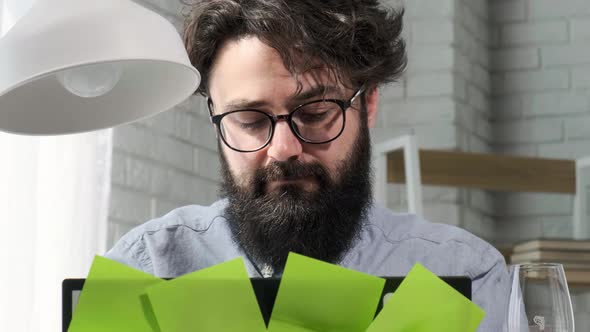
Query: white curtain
[53, 217]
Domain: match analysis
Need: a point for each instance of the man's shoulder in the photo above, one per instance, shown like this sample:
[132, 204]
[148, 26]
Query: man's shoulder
[401, 240]
[166, 246]
[196, 219]
[397, 228]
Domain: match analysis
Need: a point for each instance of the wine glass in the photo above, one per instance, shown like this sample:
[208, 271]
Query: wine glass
[539, 299]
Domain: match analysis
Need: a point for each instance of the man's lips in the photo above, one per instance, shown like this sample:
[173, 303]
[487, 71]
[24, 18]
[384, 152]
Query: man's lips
[306, 181]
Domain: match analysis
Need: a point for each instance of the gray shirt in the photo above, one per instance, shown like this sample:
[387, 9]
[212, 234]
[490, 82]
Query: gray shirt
[195, 237]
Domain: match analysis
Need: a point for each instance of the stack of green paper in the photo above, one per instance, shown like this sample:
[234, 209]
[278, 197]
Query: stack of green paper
[216, 299]
[313, 297]
[112, 300]
[425, 303]
[317, 296]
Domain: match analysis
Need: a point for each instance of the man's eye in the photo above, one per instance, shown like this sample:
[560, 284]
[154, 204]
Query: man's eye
[320, 107]
[313, 117]
[247, 121]
[318, 113]
[259, 124]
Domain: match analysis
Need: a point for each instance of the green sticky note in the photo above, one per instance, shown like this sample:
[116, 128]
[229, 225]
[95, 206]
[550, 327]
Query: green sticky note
[111, 300]
[425, 303]
[321, 297]
[216, 299]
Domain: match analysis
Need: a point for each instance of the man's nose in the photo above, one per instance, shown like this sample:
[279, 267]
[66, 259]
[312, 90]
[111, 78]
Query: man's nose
[284, 144]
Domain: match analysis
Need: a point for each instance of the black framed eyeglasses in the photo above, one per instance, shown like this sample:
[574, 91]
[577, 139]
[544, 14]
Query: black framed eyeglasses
[315, 122]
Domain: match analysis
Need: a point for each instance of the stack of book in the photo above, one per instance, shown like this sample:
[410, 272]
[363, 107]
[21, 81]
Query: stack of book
[573, 254]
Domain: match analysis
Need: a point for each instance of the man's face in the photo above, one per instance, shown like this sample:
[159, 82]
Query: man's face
[280, 194]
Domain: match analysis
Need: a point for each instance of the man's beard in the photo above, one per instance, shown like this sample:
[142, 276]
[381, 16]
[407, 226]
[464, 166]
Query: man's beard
[323, 223]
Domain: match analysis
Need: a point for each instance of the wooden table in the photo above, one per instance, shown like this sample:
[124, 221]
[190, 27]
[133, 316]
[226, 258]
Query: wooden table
[488, 171]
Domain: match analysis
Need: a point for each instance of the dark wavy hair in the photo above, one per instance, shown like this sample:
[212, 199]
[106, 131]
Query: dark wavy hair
[358, 41]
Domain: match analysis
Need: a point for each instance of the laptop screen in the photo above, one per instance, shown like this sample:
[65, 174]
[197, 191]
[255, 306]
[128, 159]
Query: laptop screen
[265, 289]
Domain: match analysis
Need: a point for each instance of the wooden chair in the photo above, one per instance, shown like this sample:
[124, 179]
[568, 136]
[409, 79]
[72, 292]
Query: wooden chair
[407, 147]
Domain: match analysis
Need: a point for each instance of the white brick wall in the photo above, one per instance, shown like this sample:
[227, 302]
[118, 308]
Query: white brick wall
[548, 9]
[556, 103]
[533, 33]
[569, 54]
[517, 83]
[541, 103]
[580, 78]
[532, 204]
[580, 28]
[433, 84]
[541, 107]
[444, 99]
[423, 102]
[163, 162]
[530, 81]
[428, 8]
[529, 131]
[578, 127]
[507, 11]
[473, 111]
[581, 304]
[515, 58]
[427, 59]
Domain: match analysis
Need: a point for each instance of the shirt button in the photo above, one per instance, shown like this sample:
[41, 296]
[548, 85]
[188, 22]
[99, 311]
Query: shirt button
[267, 271]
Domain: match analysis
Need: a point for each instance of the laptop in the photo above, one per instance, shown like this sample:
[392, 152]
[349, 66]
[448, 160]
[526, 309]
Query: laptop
[265, 289]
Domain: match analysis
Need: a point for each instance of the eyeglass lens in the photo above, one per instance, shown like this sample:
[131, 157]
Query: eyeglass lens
[316, 122]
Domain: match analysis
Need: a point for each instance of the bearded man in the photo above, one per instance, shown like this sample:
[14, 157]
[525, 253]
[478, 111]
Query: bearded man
[292, 90]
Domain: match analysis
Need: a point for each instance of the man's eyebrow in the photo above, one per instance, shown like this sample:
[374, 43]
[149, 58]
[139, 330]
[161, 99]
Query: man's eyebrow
[241, 104]
[316, 91]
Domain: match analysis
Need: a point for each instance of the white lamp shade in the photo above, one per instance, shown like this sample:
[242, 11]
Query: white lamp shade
[61, 35]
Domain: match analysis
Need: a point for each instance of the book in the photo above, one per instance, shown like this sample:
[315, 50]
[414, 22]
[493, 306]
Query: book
[566, 265]
[551, 256]
[573, 276]
[553, 244]
[577, 276]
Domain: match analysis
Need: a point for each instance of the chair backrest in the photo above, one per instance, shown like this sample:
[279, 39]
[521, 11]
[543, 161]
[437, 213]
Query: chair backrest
[408, 144]
[581, 203]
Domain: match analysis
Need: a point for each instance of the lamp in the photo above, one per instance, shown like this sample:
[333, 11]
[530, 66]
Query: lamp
[71, 66]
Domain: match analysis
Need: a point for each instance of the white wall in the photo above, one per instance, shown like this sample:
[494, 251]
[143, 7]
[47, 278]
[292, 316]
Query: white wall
[541, 65]
[444, 99]
[541, 102]
[163, 162]
[503, 76]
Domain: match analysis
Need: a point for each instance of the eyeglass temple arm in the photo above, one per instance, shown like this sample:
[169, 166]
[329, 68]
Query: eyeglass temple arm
[210, 108]
[358, 93]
